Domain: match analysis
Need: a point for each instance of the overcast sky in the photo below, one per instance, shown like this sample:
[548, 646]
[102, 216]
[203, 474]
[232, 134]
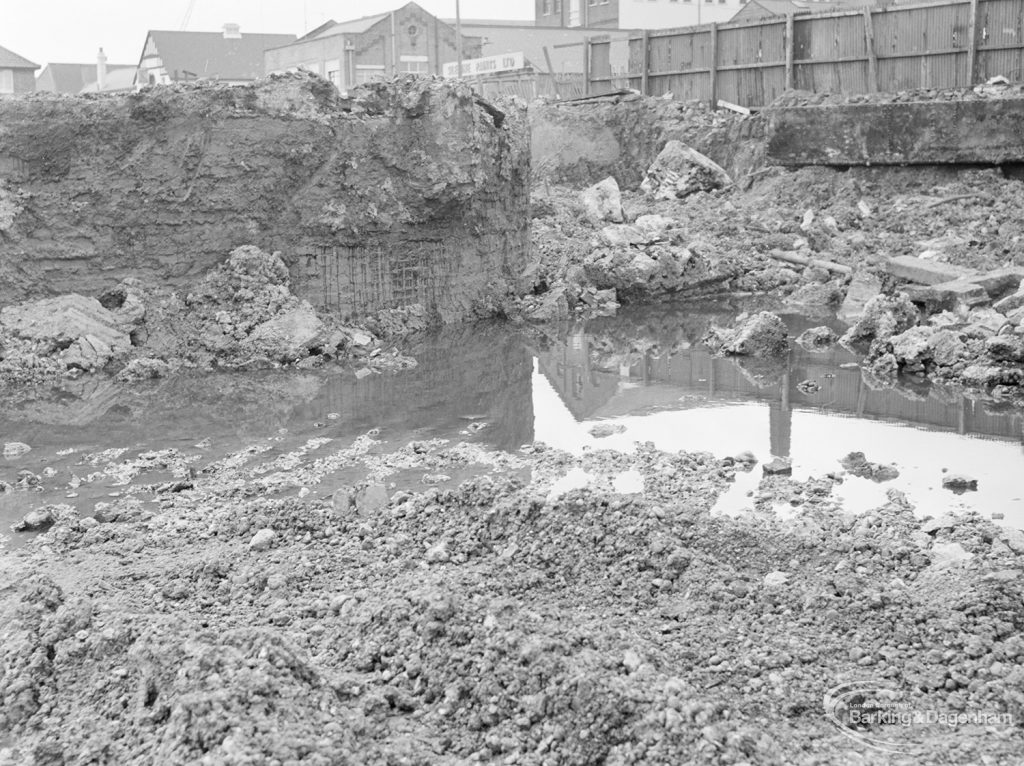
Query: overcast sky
[72, 30]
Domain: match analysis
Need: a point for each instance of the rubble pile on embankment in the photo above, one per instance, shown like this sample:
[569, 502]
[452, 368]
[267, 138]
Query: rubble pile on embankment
[242, 315]
[821, 239]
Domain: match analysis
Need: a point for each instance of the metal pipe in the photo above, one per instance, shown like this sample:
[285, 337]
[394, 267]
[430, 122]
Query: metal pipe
[394, 46]
[458, 35]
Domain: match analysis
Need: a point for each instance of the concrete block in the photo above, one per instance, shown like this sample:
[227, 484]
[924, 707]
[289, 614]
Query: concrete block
[863, 287]
[1000, 281]
[948, 295]
[925, 272]
[925, 132]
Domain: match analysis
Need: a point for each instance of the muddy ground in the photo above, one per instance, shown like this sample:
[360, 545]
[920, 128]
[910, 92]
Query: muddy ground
[237, 617]
[233, 620]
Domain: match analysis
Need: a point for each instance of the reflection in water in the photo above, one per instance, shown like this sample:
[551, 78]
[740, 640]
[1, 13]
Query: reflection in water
[479, 374]
[649, 371]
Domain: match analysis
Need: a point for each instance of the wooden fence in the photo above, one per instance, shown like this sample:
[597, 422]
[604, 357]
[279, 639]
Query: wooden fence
[529, 86]
[952, 44]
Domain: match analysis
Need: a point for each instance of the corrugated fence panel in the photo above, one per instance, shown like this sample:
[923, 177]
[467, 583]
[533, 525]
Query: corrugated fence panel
[680, 64]
[1000, 52]
[752, 63]
[831, 54]
[923, 46]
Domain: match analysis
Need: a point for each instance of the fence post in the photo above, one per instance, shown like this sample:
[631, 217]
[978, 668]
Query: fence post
[789, 52]
[586, 67]
[645, 76]
[714, 65]
[869, 43]
[972, 45]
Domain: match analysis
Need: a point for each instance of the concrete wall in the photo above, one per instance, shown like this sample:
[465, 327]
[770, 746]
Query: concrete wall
[410, 193]
[986, 131]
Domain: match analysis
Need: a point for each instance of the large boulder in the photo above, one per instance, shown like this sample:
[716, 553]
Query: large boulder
[816, 295]
[817, 338]
[289, 336]
[680, 171]
[647, 230]
[603, 202]
[763, 334]
[883, 317]
[88, 334]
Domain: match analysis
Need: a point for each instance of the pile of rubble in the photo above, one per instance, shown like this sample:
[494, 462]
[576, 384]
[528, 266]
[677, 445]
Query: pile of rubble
[241, 315]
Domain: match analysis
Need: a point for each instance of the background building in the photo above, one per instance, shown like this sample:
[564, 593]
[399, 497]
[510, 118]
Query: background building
[17, 74]
[227, 56]
[353, 52]
[633, 14]
[86, 78]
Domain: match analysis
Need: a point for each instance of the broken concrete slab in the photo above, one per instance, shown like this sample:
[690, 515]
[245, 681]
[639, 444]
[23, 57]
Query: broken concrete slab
[680, 171]
[862, 289]
[948, 295]
[926, 272]
[926, 132]
[999, 282]
[91, 334]
[1010, 302]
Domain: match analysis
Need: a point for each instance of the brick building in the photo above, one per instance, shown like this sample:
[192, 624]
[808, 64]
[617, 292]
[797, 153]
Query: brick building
[17, 74]
[406, 40]
[633, 14]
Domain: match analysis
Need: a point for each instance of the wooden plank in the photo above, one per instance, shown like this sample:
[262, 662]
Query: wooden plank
[789, 52]
[547, 58]
[645, 74]
[869, 43]
[714, 66]
[972, 44]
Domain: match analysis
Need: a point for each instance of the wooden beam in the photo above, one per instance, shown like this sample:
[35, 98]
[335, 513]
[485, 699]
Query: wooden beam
[972, 44]
[869, 44]
[645, 73]
[547, 58]
[714, 66]
[790, 84]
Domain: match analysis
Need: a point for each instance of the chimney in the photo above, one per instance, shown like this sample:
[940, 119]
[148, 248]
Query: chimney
[101, 70]
[232, 32]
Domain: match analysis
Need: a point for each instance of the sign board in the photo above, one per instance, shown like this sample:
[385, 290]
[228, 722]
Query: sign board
[505, 62]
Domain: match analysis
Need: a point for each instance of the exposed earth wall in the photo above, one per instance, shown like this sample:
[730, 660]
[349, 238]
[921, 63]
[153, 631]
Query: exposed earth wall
[408, 192]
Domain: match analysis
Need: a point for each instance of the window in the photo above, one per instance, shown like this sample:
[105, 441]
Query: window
[368, 73]
[547, 8]
[6, 81]
[558, 7]
[415, 64]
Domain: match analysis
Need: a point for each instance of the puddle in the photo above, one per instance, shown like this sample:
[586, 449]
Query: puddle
[644, 371]
[647, 374]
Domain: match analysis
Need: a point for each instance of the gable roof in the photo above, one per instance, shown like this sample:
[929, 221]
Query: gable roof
[360, 25]
[211, 55]
[764, 8]
[11, 60]
[71, 78]
[122, 78]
